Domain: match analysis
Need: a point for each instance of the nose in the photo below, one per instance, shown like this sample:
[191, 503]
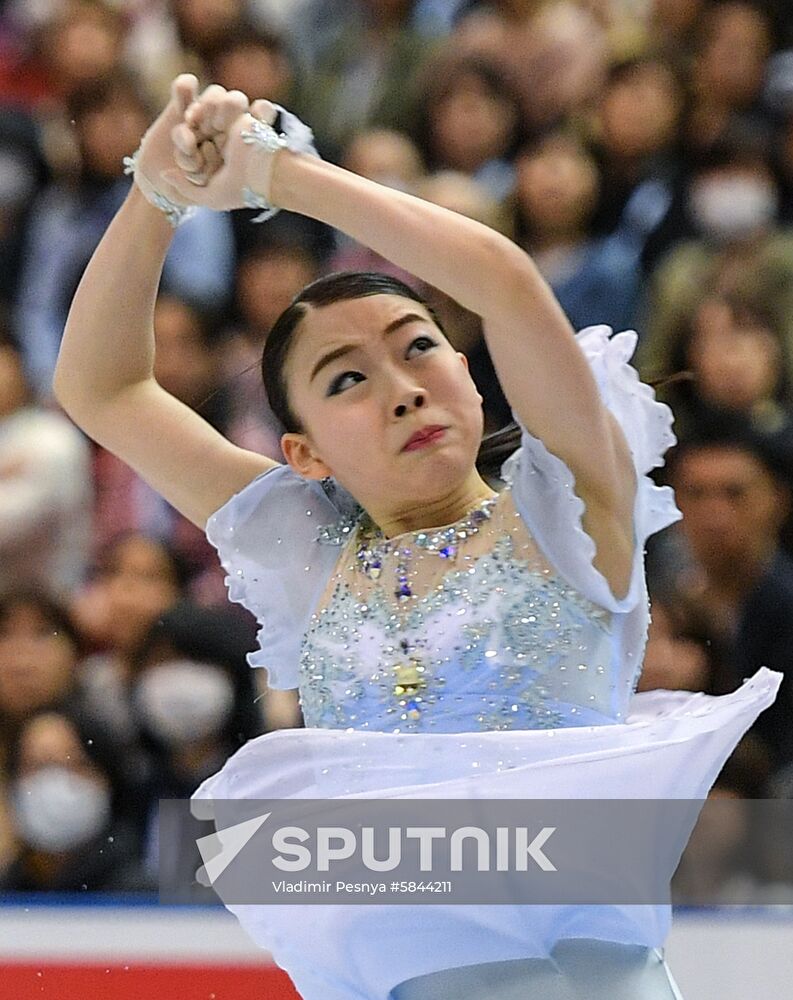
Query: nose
[413, 400]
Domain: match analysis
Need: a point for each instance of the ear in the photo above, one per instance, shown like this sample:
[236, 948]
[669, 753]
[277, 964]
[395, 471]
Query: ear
[464, 359]
[301, 457]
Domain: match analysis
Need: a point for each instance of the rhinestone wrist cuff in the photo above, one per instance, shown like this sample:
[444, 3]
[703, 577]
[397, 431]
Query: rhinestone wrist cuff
[173, 211]
[290, 134]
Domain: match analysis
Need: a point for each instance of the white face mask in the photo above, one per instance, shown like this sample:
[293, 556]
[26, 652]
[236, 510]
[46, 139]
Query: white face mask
[57, 810]
[732, 207]
[183, 701]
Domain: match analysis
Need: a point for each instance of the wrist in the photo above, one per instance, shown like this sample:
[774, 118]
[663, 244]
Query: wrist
[147, 217]
[271, 151]
[175, 212]
[291, 179]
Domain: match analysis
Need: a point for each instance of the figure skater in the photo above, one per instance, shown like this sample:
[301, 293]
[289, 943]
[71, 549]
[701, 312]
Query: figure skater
[446, 640]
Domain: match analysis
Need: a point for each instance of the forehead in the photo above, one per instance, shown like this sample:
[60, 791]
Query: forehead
[722, 466]
[354, 321]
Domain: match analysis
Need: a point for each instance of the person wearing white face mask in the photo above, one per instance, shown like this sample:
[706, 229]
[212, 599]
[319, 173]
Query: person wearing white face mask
[67, 800]
[192, 698]
[190, 693]
[732, 204]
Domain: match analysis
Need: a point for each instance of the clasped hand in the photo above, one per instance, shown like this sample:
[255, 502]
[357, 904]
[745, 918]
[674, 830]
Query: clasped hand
[195, 154]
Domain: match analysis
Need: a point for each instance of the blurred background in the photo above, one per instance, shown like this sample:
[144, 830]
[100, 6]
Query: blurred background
[640, 150]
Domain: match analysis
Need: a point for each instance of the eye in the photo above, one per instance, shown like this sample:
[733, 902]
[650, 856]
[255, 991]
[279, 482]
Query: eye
[338, 384]
[426, 341]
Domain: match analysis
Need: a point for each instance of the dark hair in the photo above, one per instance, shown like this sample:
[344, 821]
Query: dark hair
[442, 78]
[106, 559]
[735, 431]
[218, 636]
[98, 743]
[748, 305]
[340, 287]
[51, 610]
[120, 85]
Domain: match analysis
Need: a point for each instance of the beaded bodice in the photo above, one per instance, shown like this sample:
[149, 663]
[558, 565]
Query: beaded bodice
[482, 636]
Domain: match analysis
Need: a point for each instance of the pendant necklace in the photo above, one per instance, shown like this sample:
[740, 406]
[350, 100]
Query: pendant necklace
[373, 548]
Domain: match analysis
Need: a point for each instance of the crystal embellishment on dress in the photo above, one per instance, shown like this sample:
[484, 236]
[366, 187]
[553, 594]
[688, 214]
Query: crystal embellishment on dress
[488, 639]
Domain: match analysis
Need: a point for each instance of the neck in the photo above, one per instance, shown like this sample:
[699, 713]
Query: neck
[451, 507]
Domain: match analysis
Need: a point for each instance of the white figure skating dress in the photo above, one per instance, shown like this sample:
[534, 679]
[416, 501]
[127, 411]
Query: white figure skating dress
[492, 661]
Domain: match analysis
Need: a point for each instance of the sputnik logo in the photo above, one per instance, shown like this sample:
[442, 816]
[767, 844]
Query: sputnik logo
[219, 849]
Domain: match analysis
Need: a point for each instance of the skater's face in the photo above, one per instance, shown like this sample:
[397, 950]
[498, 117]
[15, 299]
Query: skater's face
[363, 376]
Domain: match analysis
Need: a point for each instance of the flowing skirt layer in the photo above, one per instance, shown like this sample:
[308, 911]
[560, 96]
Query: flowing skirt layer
[671, 746]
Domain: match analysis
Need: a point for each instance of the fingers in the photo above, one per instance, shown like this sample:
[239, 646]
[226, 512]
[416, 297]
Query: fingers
[184, 90]
[265, 111]
[200, 138]
[228, 110]
[187, 152]
[213, 161]
[208, 113]
[187, 190]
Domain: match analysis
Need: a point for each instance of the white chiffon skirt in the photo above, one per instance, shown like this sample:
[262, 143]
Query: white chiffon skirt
[671, 746]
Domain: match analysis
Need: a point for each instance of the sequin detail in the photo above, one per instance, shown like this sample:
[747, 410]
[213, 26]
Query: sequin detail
[493, 640]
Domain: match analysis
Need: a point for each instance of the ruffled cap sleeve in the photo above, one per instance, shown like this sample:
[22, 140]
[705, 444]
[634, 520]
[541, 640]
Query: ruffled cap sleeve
[266, 538]
[544, 487]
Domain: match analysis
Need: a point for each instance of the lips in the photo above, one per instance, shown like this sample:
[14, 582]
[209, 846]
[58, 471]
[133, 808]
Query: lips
[426, 435]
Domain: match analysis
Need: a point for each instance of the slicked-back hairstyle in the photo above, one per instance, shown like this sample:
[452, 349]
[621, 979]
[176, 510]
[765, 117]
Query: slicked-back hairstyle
[340, 287]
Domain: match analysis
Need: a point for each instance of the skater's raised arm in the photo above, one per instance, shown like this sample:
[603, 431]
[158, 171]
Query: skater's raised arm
[104, 377]
[544, 374]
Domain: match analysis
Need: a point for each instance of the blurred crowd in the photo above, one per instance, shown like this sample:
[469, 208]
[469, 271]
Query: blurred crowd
[640, 150]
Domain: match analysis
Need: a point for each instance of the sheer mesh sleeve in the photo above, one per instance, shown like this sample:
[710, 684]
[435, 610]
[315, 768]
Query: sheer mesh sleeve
[544, 487]
[265, 536]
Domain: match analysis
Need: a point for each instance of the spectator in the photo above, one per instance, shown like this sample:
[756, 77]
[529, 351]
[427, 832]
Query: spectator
[68, 220]
[79, 47]
[70, 801]
[189, 365]
[23, 173]
[672, 28]
[203, 26]
[735, 39]
[388, 157]
[784, 161]
[556, 53]
[595, 280]
[258, 63]
[462, 194]
[137, 580]
[267, 280]
[40, 649]
[192, 695]
[732, 201]
[45, 489]
[636, 133]
[678, 651]
[367, 75]
[734, 502]
[385, 156]
[470, 121]
[736, 351]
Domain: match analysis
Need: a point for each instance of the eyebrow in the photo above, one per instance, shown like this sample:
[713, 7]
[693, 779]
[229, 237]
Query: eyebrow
[339, 352]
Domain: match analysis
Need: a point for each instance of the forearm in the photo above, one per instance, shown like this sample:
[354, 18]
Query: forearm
[108, 342]
[475, 265]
